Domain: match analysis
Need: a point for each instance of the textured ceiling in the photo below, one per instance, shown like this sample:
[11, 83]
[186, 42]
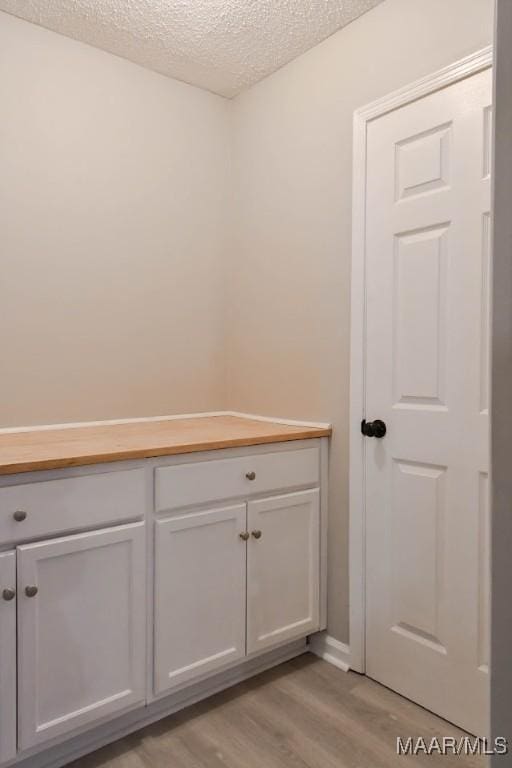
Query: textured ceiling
[221, 45]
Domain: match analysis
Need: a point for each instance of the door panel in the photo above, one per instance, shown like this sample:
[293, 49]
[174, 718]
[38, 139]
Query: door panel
[427, 368]
[7, 656]
[282, 569]
[82, 635]
[199, 594]
[419, 371]
[416, 575]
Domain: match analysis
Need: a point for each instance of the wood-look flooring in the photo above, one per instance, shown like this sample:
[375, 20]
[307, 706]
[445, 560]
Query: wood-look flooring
[302, 714]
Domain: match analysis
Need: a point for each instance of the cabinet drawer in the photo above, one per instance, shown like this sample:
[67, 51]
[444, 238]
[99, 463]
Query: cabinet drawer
[209, 481]
[71, 503]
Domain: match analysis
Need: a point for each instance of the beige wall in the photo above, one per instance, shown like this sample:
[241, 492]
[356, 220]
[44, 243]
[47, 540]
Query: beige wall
[119, 295]
[290, 264]
[113, 185]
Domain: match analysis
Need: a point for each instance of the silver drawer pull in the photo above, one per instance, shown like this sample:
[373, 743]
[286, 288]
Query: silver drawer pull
[250, 475]
[31, 591]
[20, 515]
[9, 593]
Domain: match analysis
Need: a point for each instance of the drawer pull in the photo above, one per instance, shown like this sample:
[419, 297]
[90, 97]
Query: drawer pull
[250, 475]
[31, 591]
[9, 593]
[20, 515]
[256, 534]
[244, 536]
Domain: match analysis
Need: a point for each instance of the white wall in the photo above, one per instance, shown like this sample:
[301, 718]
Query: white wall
[113, 184]
[288, 345]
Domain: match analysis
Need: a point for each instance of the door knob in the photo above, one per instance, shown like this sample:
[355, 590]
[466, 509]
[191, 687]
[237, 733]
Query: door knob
[20, 515]
[375, 428]
[256, 534]
[9, 593]
[31, 591]
[244, 535]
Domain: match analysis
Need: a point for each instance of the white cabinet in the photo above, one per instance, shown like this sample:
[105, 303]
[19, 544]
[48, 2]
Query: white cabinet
[229, 572]
[66, 505]
[234, 581]
[199, 594]
[81, 630]
[282, 569]
[7, 656]
[208, 482]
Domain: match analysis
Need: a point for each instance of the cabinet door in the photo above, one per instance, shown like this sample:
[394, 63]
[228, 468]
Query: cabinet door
[81, 614]
[7, 656]
[199, 594]
[282, 569]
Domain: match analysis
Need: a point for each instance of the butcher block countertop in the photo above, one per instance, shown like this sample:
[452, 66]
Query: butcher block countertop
[40, 449]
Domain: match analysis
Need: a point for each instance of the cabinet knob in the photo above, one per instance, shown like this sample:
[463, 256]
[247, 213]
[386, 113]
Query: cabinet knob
[250, 475]
[20, 515]
[244, 536]
[9, 593]
[31, 591]
[256, 534]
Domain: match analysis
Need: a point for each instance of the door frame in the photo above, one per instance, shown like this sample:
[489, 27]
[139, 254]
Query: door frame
[469, 65]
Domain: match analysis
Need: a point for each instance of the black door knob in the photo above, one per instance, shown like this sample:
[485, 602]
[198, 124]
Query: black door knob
[375, 428]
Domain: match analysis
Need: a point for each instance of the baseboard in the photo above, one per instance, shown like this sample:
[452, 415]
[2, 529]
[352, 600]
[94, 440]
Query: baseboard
[280, 420]
[173, 417]
[331, 650]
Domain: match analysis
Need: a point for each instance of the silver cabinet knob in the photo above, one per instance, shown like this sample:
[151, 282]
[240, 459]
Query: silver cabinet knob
[256, 534]
[244, 536]
[250, 475]
[20, 515]
[9, 593]
[31, 591]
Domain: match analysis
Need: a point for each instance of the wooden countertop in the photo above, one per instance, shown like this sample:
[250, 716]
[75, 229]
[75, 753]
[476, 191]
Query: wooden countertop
[27, 451]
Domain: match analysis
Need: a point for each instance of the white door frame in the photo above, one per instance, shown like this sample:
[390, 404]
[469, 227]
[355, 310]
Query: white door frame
[461, 69]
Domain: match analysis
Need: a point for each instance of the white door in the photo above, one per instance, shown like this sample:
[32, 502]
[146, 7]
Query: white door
[7, 656]
[81, 630]
[282, 569]
[427, 329]
[199, 594]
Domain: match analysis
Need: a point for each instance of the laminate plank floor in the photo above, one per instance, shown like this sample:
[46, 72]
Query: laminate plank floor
[302, 714]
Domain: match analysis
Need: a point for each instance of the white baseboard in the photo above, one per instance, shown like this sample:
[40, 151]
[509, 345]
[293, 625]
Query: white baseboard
[331, 650]
[173, 417]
